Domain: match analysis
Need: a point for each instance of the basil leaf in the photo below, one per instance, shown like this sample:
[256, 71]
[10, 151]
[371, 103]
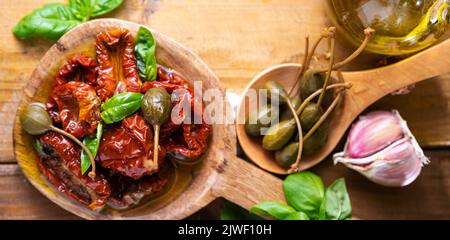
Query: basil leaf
[38, 147]
[86, 9]
[305, 192]
[322, 213]
[337, 202]
[92, 143]
[81, 9]
[232, 211]
[50, 21]
[120, 106]
[145, 54]
[297, 216]
[277, 210]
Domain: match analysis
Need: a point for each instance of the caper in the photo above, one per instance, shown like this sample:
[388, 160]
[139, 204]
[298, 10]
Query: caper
[274, 89]
[252, 127]
[311, 82]
[316, 142]
[278, 135]
[35, 120]
[287, 113]
[156, 106]
[310, 116]
[260, 119]
[286, 156]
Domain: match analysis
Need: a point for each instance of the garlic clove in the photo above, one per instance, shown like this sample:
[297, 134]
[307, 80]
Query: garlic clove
[373, 132]
[395, 163]
[395, 166]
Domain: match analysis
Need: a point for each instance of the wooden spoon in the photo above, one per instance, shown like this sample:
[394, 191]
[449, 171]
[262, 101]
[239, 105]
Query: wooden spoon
[220, 174]
[367, 87]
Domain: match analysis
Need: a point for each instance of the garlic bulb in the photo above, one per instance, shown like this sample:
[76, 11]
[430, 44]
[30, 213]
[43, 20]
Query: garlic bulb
[381, 147]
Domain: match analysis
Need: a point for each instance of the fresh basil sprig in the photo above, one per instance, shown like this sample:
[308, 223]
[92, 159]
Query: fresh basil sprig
[92, 143]
[145, 54]
[278, 210]
[120, 106]
[53, 20]
[308, 199]
[336, 205]
[86, 9]
[304, 191]
[50, 21]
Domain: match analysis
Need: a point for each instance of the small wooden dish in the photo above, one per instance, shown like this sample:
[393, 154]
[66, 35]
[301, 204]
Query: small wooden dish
[221, 173]
[367, 87]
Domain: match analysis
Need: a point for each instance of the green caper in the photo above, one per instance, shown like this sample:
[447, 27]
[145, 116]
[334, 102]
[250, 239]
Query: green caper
[316, 142]
[310, 116]
[260, 119]
[286, 156]
[275, 88]
[35, 120]
[311, 82]
[156, 106]
[278, 135]
[252, 127]
[287, 113]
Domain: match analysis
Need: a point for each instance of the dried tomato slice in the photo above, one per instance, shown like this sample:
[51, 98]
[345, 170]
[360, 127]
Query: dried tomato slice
[117, 71]
[79, 68]
[192, 142]
[125, 146]
[61, 165]
[127, 191]
[78, 108]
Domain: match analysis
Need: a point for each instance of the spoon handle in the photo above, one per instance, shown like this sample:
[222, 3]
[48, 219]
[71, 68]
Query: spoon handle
[246, 185]
[371, 85]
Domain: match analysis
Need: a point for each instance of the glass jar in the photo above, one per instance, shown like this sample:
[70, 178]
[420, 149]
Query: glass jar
[401, 26]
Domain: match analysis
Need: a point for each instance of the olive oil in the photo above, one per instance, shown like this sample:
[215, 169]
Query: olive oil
[401, 26]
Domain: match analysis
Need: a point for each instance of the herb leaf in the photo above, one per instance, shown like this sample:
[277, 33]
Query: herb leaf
[145, 54]
[297, 216]
[305, 192]
[337, 204]
[51, 21]
[38, 147]
[55, 19]
[86, 9]
[277, 210]
[120, 106]
[92, 143]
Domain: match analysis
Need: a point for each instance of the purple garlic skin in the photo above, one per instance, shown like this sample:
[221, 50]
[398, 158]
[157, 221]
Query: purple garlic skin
[382, 148]
[372, 133]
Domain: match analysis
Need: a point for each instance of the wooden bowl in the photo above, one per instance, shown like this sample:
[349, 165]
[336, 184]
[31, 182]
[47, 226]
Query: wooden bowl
[220, 174]
[367, 87]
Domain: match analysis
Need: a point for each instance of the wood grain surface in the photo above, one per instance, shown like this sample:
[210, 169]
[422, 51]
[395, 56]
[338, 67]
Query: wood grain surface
[237, 39]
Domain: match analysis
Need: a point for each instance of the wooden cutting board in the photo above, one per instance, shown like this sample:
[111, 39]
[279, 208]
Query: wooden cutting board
[238, 39]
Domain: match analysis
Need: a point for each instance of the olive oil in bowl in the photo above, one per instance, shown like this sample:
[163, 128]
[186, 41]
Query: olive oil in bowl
[401, 26]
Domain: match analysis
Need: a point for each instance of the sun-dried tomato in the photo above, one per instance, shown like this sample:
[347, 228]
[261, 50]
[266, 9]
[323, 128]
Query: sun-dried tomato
[61, 165]
[77, 107]
[117, 71]
[193, 138]
[127, 191]
[125, 146]
[79, 68]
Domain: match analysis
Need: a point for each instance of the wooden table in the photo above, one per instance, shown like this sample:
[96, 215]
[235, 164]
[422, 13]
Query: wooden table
[238, 39]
